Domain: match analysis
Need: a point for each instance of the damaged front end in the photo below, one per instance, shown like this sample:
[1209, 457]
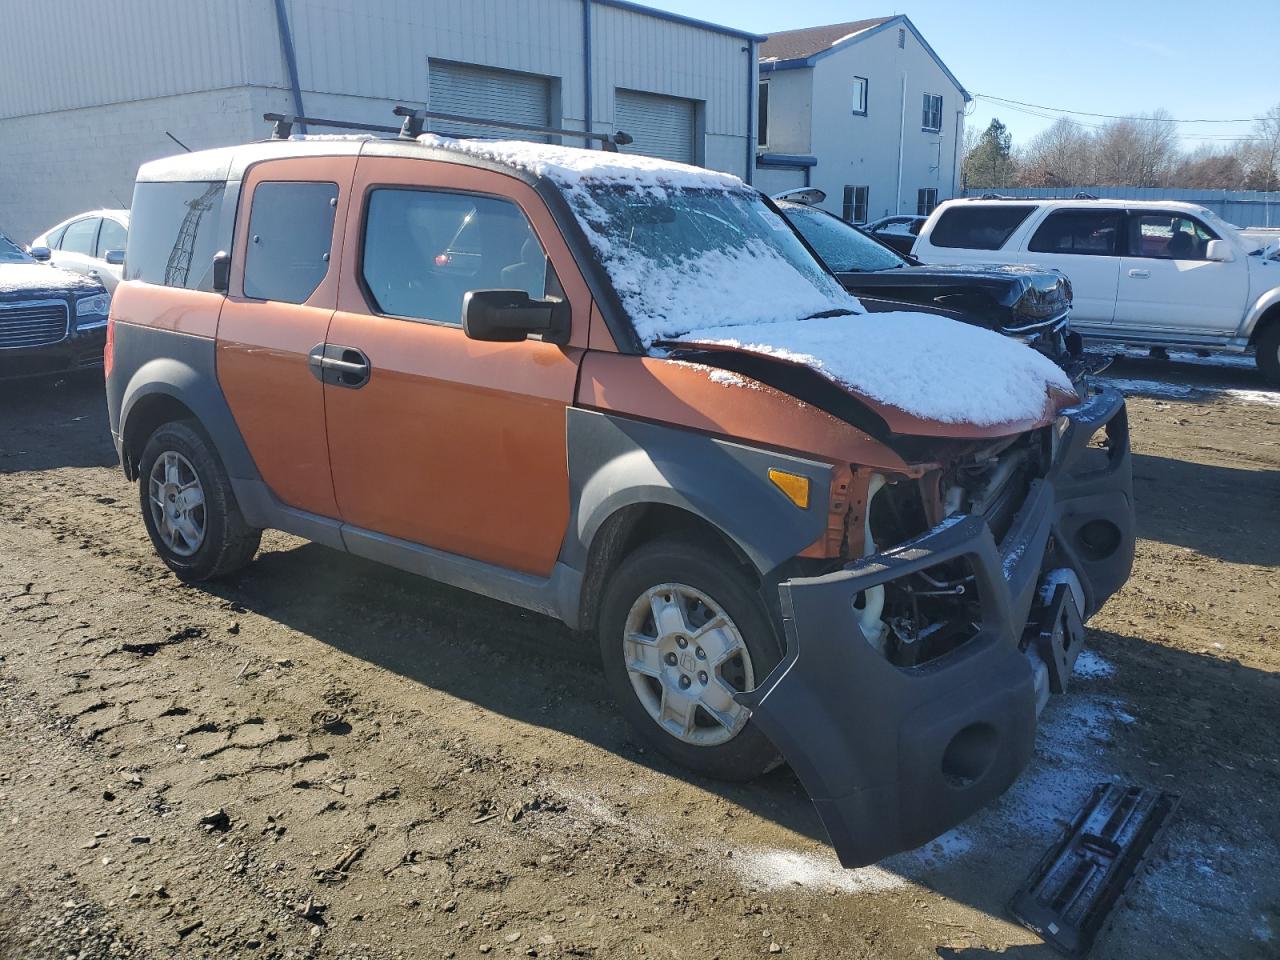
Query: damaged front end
[913, 676]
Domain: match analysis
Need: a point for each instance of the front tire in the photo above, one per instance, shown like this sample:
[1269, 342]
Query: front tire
[188, 507]
[681, 630]
[1268, 352]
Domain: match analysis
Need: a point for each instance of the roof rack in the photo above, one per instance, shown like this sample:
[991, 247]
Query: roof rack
[415, 121]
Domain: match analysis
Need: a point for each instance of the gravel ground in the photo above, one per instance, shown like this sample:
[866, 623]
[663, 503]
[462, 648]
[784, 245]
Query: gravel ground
[325, 758]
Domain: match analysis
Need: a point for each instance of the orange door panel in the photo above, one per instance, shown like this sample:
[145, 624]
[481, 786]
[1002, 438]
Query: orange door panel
[264, 343]
[450, 442]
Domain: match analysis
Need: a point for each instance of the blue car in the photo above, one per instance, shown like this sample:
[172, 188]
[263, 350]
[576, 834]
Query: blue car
[51, 321]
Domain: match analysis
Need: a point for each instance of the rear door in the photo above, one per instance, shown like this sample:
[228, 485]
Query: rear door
[444, 441]
[1166, 282]
[1085, 244]
[79, 247]
[283, 287]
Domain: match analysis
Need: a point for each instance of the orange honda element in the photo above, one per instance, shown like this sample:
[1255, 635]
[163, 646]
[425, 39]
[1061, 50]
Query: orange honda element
[623, 392]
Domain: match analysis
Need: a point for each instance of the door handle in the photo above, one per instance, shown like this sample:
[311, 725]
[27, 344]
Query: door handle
[1140, 274]
[340, 366]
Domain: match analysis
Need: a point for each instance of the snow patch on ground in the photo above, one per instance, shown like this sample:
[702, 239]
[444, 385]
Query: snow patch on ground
[774, 869]
[1092, 666]
[926, 365]
[1177, 391]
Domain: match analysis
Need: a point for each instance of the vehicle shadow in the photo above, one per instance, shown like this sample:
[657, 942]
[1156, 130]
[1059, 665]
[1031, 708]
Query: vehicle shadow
[1187, 373]
[47, 423]
[435, 636]
[1212, 522]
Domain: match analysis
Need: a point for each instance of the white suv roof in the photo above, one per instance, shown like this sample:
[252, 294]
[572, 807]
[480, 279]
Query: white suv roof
[1180, 206]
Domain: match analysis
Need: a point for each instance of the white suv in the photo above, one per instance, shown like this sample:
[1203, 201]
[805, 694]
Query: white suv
[1143, 272]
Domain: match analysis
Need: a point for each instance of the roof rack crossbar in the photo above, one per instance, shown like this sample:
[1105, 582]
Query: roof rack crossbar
[284, 125]
[415, 122]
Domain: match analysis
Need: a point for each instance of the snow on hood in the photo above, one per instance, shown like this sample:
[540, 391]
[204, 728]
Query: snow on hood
[17, 277]
[931, 367]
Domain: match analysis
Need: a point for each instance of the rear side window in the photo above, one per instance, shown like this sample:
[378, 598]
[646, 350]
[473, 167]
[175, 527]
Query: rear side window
[290, 233]
[112, 236]
[81, 236]
[1083, 232]
[424, 250]
[173, 235]
[978, 228]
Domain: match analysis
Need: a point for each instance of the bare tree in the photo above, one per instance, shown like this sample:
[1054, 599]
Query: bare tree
[1136, 151]
[1262, 158]
[1062, 155]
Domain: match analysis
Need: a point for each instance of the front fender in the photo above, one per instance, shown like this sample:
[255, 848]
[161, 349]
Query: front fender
[616, 462]
[1269, 299]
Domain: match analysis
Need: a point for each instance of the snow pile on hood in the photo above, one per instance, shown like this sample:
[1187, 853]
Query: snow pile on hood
[929, 366]
[16, 277]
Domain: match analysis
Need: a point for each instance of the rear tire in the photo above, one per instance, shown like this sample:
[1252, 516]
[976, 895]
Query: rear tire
[673, 678]
[1268, 352]
[188, 506]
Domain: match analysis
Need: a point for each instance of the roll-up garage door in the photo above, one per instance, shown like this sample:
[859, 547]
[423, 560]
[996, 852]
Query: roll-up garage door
[492, 94]
[660, 126]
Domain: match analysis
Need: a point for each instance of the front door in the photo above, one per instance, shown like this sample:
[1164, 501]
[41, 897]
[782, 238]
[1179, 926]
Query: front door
[442, 440]
[1086, 246]
[1168, 284]
[282, 291]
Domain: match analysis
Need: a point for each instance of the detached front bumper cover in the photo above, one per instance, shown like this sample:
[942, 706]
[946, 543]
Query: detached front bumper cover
[893, 756]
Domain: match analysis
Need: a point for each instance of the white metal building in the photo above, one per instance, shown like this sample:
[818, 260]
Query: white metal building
[90, 90]
[865, 111]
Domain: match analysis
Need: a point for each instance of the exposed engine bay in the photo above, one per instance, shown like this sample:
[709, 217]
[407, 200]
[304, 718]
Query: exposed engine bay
[918, 618]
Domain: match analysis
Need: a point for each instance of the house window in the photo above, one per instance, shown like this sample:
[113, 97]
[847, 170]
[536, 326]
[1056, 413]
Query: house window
[860, 96]
[932, 119]
[855, 204]
[762, 115]
[926, 200]
[902, 38]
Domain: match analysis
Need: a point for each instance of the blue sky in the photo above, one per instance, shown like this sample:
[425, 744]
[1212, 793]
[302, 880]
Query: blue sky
[1122, 57]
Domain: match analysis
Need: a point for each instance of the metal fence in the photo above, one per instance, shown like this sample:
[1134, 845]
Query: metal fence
[1244, 208]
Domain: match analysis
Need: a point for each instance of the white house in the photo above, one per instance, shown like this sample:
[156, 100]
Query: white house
[866, 111]
[90, 90]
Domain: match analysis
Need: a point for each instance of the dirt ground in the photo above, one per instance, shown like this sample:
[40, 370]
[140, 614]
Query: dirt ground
[323, 758]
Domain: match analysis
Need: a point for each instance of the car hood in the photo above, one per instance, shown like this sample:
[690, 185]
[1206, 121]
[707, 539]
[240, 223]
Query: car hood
[919, 374]
[39, 281]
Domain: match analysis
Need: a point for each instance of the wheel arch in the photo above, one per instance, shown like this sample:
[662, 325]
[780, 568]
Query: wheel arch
[166, 389]
[1267, 316]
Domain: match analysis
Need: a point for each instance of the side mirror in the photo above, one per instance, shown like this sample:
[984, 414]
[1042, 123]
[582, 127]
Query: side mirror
[1219, 251]
[114, 257]
[221, 271]
[508, 316]
[41, 253]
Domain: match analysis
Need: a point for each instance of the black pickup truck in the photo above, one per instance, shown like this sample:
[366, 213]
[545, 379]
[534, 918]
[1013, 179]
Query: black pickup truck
[1026, 302]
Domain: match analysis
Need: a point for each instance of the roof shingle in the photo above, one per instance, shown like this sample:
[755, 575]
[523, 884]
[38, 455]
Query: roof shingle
[799, 44]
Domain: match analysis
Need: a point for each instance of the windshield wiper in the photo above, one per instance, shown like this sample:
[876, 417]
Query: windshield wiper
[837, 312]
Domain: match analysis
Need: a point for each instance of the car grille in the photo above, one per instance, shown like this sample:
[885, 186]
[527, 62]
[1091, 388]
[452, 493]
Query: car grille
[32, 323]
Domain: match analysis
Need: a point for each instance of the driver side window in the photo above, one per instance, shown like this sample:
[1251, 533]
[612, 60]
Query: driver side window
[1167, 236]
[424, 250]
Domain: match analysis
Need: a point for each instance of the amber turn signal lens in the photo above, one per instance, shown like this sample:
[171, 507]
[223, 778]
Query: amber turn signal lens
[794, 486]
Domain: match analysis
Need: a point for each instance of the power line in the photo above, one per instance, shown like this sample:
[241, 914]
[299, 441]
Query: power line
[1037, 112]
[1113, 116]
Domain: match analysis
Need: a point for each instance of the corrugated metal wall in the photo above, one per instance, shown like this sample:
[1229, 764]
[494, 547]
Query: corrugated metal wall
[79, 53]
[1244, 208]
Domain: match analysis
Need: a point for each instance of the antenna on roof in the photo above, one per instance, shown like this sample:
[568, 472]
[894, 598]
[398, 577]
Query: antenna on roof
[177, 141]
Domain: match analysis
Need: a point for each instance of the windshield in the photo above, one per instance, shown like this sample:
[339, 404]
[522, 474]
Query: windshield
[688, 258]
[845, 248]
[10, 252]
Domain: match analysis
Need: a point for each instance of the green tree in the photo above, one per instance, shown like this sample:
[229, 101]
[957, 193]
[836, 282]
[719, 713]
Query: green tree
[990, 163]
